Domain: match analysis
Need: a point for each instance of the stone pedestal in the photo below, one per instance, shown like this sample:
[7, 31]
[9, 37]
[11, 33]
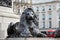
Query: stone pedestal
[31, 39]
[2, 34]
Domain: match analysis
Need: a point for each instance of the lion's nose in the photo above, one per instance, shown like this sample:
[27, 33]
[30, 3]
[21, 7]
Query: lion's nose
[31, 17]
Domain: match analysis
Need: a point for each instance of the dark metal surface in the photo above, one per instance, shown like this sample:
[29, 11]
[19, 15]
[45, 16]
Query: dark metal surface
[27, 27]
[6, 3]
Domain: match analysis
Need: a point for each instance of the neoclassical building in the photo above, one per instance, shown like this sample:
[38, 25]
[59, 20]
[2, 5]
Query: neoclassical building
[19, 6]
[10, 11]
[49, 14]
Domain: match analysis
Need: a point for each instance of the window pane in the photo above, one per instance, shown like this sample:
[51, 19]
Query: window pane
[43, 24]
[59, 16]
[50, 16]
[43, 8]
[59, 23]
[49, 8]
[50, 24]
[43, 16]
[37, 8]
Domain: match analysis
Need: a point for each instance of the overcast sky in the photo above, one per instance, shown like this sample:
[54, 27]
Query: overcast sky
[40, 1]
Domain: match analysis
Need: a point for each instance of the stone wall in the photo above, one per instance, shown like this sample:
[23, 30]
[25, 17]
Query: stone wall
[6, 16]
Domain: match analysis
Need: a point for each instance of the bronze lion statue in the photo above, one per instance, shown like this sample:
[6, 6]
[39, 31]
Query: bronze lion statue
[27, 27]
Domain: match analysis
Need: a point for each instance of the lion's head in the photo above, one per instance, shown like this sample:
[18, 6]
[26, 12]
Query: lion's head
[29, 15]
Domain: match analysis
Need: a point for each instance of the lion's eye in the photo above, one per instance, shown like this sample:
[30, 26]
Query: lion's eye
[32, 14]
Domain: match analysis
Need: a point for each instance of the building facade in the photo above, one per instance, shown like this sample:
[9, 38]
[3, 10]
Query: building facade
[48, 14]
[20, 6]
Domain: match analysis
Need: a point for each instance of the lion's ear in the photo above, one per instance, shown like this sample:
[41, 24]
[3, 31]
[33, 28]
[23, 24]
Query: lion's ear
[35, 16]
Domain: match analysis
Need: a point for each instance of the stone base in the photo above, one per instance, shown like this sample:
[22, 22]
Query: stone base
[31, 39]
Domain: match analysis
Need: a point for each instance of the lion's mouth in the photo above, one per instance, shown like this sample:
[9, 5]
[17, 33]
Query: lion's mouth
[30, 18]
